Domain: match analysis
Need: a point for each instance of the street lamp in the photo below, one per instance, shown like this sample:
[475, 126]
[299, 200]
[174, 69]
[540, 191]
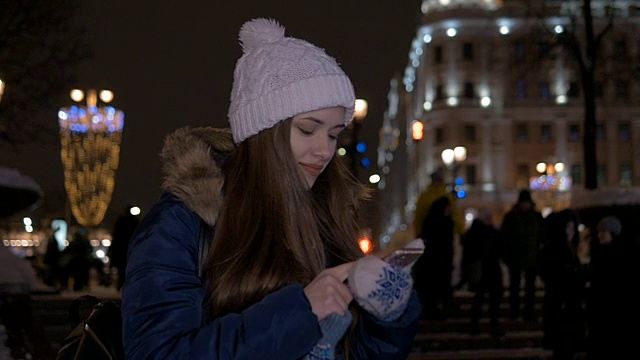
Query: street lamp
[361, 110]
[90, 137]
[550, 177]
[361, 107]
[451, 158]
[551, 187]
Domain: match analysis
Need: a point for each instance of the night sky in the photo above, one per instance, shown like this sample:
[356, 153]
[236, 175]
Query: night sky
[171, 66]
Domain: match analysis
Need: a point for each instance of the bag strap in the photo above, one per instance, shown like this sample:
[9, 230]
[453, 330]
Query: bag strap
[87, 302]
[206, 237]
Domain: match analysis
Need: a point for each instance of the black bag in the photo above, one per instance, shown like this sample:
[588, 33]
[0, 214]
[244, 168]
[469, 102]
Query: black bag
[99, 335]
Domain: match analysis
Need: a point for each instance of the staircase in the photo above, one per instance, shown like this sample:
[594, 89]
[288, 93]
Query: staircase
[436, 340]
[450, 339]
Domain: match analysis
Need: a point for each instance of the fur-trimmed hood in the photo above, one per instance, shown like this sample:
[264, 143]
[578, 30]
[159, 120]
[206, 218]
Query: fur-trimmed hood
[191, 167]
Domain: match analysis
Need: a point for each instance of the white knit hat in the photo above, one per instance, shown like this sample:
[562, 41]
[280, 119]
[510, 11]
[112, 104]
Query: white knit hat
[279, 77]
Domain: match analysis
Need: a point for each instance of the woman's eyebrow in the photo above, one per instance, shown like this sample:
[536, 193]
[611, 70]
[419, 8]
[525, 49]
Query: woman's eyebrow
[322, 122]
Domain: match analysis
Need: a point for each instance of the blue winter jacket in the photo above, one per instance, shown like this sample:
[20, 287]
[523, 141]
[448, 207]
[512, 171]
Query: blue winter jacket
[163, 315]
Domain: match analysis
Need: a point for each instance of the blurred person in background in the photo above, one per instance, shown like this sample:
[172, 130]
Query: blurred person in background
[522, 235]
[436, 189]
[434, 269]
[481, 254]
[123, 229]
[51, 261]
[613, 313]
[564, 277]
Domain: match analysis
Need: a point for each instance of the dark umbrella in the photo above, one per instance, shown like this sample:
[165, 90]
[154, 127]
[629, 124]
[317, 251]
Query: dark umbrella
[17, 192]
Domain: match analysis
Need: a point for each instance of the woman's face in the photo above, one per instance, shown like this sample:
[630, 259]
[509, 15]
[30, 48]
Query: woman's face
[314, 137]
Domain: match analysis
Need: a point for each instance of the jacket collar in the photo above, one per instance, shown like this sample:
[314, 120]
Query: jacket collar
[191, 166]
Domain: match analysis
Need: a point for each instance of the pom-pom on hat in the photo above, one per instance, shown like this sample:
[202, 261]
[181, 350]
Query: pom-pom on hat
[278, 77]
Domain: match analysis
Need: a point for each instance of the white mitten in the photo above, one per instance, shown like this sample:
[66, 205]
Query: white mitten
[381, 289]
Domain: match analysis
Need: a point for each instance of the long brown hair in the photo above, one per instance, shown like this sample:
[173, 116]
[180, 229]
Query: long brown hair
[272, 230]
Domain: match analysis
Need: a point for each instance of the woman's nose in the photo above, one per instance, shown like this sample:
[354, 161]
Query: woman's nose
[323, 147]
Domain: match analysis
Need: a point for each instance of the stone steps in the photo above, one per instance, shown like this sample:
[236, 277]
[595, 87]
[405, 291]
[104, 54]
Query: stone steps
[450, 338]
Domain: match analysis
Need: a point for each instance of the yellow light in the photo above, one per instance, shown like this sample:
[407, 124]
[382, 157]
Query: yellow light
[447, 156]
[365, 244]
[541, 168]
[76, 95]
[417, 130]
[361, 109]
[106, 96]
[460, 153]
[559, 167]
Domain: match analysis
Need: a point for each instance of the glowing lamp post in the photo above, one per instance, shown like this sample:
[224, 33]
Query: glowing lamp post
[550, 177]
[90, 137]
[451, 158]
[551, 187]
[361, 108]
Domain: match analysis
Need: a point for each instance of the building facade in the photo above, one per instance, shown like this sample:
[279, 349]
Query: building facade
[489, 76]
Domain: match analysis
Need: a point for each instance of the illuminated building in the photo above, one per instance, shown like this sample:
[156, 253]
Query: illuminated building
[90, 136]
[485, 74]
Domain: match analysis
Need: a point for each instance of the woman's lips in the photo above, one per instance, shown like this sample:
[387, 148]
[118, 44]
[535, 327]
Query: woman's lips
[313, 170]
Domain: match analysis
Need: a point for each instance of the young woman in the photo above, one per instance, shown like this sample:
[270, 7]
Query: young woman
[284, 210]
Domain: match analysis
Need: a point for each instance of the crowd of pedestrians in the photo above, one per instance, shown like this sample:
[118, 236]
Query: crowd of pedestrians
[584, 271]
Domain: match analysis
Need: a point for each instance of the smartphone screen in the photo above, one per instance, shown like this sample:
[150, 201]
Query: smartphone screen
[403, 257]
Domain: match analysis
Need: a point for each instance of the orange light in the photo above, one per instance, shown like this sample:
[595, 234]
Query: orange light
[366, 245]
[417, 130]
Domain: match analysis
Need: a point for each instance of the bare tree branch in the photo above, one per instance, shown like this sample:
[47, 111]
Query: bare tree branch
[41, 48]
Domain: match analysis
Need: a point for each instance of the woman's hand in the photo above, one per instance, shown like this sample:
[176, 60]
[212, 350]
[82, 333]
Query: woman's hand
[328, 293]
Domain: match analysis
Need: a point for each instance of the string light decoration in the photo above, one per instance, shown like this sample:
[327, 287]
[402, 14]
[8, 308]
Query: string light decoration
[90, 137]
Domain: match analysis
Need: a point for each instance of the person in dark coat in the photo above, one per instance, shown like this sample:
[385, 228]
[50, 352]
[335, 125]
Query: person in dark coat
[432, 271]
[563, 318]
[122, 231]
[522, 234]
[481, 248]
[52, 261]
[613, 313]
[80, 259]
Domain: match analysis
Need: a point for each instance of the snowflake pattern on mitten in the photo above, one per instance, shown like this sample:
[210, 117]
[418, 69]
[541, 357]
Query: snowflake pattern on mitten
[381, 289]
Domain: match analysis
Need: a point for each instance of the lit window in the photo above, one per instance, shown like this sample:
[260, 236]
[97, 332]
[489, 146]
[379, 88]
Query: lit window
[626, 175]
[602, 175]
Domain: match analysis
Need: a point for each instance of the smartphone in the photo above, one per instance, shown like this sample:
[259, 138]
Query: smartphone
[403, 257]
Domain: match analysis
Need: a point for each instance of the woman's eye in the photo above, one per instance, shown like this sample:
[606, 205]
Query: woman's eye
[305, 132]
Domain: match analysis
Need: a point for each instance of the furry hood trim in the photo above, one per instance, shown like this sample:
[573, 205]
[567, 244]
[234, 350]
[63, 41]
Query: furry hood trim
[192, 161]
